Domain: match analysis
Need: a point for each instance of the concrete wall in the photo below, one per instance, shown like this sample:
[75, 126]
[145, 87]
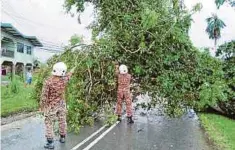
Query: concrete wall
[8, 45]
[19, 57]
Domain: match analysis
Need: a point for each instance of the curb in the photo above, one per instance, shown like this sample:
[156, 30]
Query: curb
[17, 117]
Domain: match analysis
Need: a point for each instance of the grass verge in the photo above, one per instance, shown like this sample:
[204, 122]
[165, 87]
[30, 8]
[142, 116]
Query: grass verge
[220, 130]
[12, 103]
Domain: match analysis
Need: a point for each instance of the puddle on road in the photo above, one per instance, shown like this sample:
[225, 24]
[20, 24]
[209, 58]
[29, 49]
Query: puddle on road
[156, 114]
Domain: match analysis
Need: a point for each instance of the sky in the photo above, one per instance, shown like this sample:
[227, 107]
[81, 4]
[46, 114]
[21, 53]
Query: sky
[47, 20]
[197, 31]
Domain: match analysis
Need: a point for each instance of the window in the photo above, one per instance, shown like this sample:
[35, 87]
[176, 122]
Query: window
[29, 50]
[20, 47]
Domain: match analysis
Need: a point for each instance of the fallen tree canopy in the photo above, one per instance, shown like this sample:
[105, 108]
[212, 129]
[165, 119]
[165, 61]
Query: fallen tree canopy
[151, 38]
[227, 52]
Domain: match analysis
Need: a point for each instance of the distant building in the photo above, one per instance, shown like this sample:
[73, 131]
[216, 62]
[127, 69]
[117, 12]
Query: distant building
[17, 50]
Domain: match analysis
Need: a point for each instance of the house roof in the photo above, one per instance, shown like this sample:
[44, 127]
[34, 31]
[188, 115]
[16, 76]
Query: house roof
[12, 30]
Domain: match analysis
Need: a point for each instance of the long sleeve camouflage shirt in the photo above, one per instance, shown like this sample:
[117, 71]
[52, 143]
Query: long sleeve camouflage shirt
[53, 91]
[124, 81]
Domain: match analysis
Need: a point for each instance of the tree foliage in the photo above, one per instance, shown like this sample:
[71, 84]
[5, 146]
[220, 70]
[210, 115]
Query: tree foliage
[151, 38]
[75, 39]
[227, 52]
[211, 75]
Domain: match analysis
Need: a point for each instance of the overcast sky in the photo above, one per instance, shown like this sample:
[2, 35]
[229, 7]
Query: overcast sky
[47, 20]
[197, 32]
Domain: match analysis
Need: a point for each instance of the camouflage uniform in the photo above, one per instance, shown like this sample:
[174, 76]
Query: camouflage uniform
[123, 92]
[53, 104]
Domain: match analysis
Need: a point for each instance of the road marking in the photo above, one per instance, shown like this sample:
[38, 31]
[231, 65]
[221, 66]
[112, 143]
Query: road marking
[88, 138]
[100, 137]
[92, 135]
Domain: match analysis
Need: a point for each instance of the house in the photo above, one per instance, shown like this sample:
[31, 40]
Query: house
[17, 50]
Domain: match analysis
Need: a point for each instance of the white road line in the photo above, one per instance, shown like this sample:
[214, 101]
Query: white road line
[88, 138]
[100, 137]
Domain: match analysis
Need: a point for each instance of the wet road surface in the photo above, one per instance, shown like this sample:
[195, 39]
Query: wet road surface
[28, 134]
[155, 133]
[149, 132]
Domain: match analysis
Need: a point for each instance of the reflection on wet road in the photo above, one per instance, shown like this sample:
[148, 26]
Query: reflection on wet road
[149, 132]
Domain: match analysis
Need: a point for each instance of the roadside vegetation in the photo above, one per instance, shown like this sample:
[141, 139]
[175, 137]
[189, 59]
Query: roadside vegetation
[16, 98]
[220, 130]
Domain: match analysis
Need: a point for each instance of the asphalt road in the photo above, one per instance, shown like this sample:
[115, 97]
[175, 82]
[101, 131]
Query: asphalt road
[149, 132]
[155, 133]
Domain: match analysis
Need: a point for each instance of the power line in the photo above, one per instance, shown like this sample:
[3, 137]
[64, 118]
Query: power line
[51, 43]
[20, 16]
[20, 19]
[31, 21]
[44, 41]
[48, 44]
[11, 17]
[9, 6]
[47, 49]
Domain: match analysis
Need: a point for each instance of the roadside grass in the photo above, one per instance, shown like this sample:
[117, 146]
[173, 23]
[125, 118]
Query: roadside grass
[16, 98]
[220, 130]
[6, 78]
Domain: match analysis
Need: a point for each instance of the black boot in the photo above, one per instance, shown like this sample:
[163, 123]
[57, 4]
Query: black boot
[119, 118]
[49, 144]
[130, 120]
[62, 138]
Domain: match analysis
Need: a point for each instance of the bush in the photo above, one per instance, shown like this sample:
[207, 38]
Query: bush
[210, 81]
[227, 52]
[38, 82]
[90, 88]
[14, 86]
[15, 98]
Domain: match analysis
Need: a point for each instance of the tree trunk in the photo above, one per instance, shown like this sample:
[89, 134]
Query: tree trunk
[181, 4]
[215, 45]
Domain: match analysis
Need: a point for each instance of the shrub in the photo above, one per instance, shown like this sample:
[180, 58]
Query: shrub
[227, 52]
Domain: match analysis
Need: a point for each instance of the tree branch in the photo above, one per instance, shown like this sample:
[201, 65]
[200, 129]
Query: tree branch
[129, 50]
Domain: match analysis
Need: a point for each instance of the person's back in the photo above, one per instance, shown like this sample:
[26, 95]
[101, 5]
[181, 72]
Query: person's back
[123, 92]
[29, 75]
[124, 81]
[53, 102]
[57, 89]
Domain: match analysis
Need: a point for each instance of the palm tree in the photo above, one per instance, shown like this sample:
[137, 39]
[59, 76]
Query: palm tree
[221, 2]
[214, 26]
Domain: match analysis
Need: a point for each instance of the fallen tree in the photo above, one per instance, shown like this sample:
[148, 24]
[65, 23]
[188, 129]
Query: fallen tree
[227, 52]
[151, 38]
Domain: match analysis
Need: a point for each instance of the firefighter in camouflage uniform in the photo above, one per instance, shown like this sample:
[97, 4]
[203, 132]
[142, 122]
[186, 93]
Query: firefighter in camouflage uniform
[53, 104]
[123, 92]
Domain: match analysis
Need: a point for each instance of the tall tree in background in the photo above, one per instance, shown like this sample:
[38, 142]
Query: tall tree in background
[214, 26]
